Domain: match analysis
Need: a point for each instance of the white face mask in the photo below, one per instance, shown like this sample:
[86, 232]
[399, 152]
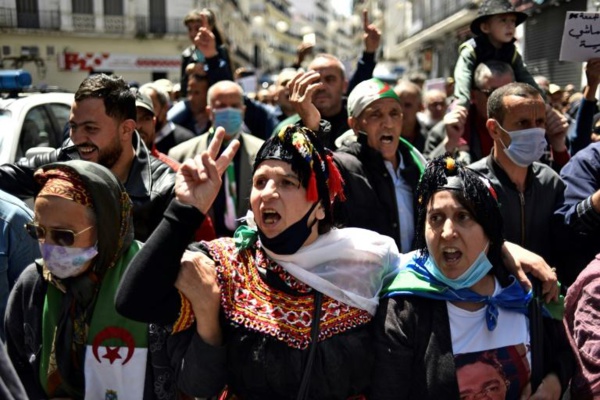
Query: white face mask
[64, 262]
[526, 145]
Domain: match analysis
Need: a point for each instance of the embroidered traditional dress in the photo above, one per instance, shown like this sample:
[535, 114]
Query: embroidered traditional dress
[268, 335]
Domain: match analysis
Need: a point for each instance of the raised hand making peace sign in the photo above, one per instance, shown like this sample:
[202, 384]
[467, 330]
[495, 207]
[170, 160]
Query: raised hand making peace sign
[198, 181]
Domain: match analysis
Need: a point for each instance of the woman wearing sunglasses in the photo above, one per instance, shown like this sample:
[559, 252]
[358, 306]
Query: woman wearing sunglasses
[64, 335]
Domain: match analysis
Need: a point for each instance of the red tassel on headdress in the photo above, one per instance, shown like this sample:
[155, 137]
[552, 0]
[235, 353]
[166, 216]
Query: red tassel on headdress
[336, 182]
[312, 194]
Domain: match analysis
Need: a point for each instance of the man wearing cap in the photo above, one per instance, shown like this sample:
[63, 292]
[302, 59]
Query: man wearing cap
[555, 97]
[168, 133]
[380, 169]
[494, 30]
[146, 127]
[103, 130]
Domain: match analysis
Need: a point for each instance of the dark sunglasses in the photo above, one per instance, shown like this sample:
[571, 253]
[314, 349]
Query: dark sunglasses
[63, 237]
[596, 130]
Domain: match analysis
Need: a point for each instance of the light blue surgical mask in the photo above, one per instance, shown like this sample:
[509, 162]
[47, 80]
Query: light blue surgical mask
[526, 145]
[198, 56]
[229, 118]
[64, 262]
[480, 268]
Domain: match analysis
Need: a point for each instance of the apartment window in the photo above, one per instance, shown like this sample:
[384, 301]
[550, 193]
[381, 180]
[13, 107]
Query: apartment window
[82, 6]
[158, 17]
[28, 14]
[114, 21]
[83, 15]
[113, 7]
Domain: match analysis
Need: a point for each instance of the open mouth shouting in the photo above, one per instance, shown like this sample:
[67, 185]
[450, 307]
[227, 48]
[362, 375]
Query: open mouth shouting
[386, 139]
[269, 217]
[451, 255]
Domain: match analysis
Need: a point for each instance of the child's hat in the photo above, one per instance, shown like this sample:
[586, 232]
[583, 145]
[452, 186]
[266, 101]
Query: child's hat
[495, 7]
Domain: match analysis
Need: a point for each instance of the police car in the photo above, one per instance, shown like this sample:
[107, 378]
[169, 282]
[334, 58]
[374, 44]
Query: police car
[29, 119]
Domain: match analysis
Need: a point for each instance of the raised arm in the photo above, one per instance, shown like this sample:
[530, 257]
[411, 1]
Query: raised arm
[366, 64]
[587, 108]
[147, 292]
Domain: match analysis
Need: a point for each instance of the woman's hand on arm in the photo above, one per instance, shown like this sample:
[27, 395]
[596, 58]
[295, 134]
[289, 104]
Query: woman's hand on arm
[520, 261]
[198, 181]
[197, 281]
[549, 389]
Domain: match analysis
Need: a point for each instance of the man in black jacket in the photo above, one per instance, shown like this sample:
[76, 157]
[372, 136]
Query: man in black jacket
[528, 191]
[380, 170]
[102, 130]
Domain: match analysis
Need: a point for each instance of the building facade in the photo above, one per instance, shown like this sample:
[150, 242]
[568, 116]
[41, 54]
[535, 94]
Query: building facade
[60, 42]
[429, 41]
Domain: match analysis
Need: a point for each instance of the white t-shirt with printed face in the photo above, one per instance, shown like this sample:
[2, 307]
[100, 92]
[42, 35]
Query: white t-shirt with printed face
[496, 362]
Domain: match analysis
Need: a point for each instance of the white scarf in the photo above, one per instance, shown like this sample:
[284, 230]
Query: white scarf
[348, 265]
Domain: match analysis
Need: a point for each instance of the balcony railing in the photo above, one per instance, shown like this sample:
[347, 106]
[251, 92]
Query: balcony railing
[114, 24]
[49, 20]
[159, 26]
[84, 23]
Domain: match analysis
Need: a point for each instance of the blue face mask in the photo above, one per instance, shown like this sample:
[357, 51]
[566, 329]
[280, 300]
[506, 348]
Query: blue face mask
[229, 118]
[526, 145]
[480, 268]
[198, 56]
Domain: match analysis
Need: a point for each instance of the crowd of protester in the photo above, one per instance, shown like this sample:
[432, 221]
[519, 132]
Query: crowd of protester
[330, 236]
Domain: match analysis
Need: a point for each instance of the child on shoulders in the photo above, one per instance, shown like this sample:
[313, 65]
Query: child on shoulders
[494, 30]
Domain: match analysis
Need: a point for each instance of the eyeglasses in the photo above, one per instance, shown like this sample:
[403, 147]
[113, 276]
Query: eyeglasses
[488, 391]
[596, 130]
[63, 237]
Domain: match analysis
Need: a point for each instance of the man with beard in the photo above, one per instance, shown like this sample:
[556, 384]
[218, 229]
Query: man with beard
[102, 129]
[168, 133]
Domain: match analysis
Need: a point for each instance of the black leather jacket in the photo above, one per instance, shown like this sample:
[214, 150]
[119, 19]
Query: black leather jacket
[150, 182]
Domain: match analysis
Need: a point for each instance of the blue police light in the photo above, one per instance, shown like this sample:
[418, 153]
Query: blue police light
[14, 80]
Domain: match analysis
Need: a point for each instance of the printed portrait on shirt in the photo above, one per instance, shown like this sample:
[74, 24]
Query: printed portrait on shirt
[495, 374]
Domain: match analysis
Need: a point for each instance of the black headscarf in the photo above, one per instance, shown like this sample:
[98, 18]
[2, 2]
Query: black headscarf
[300, 147]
